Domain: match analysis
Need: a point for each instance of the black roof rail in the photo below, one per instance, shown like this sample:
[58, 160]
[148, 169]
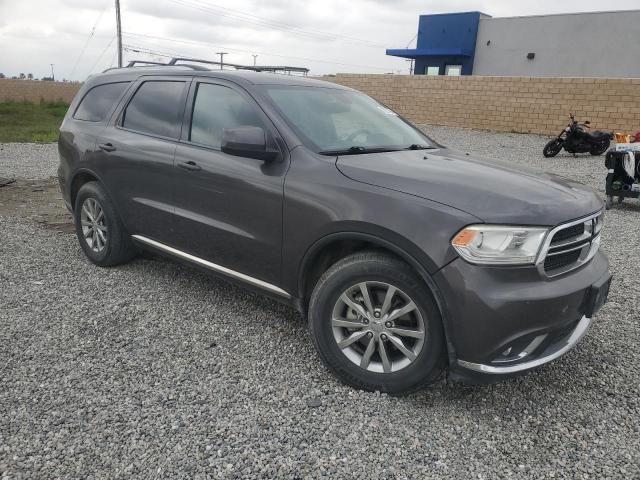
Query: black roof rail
[256, 68]
[132, 63]
[174, 63]
[146, 63]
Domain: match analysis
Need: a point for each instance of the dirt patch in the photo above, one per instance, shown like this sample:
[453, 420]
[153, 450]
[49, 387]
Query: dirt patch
[37, 200]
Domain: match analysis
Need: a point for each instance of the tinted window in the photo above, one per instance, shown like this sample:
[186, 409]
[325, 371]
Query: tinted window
[216, 108]
[156, 108]
[98, 102]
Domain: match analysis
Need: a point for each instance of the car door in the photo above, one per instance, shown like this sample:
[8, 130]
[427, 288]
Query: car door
[137, 150]
[228, 208]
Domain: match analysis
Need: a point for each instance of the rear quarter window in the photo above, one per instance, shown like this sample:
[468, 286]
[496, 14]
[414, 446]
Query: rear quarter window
[99, 101]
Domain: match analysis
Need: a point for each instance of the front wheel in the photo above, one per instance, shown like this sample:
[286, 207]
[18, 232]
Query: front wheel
[552, 148]
[375, 324]
[600, 148]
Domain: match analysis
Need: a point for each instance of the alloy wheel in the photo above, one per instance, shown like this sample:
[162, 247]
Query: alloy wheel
[94, 225]
[378, 327]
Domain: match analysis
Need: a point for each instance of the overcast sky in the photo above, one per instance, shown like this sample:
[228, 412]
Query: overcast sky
[328, 36]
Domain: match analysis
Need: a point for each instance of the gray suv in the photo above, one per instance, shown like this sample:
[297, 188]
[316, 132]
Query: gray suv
[408, 259]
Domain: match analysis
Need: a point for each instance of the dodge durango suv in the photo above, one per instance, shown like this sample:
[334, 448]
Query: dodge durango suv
[407, 258]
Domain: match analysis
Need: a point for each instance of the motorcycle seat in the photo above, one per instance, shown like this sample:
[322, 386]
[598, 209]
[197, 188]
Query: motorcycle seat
[598, 134]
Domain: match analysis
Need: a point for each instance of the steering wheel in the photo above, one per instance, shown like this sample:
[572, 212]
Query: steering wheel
[358, 132]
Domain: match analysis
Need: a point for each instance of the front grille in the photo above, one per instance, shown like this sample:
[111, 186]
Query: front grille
[567, 233]
[572, 245]
[561, 260]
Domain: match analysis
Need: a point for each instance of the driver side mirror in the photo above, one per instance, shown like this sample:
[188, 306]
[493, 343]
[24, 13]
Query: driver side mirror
[247, 141]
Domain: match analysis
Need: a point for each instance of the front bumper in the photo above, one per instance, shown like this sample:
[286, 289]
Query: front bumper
[556, 349]
[505, 321]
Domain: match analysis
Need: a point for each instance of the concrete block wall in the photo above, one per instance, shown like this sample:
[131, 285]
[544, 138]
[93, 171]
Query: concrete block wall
[34, 90]
[505, 104]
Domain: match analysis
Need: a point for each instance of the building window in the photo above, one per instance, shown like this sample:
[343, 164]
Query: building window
[453, 70]
[433, 71]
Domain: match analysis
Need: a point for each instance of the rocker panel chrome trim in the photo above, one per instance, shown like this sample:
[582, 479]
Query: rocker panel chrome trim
[212, 266]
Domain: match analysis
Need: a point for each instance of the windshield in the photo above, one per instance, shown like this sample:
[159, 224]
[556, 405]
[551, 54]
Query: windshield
[332, 121]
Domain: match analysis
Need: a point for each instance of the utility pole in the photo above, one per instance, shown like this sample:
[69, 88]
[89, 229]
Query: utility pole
[53, 78]
[410, 60]
[222, 54]
[254, 59]
[119, 33]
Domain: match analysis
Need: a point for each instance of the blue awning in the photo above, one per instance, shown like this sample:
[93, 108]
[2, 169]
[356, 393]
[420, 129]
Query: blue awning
[428, 52]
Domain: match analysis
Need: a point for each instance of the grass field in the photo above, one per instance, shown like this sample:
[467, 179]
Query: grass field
[31, 122]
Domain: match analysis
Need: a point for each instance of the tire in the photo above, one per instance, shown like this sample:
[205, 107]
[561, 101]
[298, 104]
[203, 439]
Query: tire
[400, 374]
[552, 148]
[105, 242]
[600, 148]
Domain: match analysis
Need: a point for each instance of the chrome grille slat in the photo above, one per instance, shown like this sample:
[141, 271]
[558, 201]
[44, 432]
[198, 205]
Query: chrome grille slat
[567, 250]
[582, 238]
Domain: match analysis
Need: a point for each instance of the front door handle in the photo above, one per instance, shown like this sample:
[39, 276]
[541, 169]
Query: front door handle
[190, 165]
[106, 147]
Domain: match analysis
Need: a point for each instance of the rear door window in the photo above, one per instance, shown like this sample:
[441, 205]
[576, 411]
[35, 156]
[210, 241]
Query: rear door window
[99, 102]
[156, 108]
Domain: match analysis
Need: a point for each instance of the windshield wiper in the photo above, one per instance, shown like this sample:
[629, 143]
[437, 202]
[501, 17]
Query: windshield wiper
[356, 150]
[419, 146]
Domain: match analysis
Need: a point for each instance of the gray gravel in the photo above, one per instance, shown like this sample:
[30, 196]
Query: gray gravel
[28, 160]
[155, 370]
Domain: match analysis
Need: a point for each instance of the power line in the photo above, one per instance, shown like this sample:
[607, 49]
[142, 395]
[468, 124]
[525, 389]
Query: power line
[86, 43]
[272, 24]
[102, 54]
[206, 44]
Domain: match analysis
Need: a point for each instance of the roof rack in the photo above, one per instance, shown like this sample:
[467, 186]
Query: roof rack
[132, 63]
[256, 68]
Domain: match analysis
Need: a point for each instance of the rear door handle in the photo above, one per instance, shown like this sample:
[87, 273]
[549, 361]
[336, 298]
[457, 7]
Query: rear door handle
[106, 147]
[190, 165]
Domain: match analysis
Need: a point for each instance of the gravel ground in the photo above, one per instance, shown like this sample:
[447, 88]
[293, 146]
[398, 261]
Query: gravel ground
[28, 161]
[154, 370]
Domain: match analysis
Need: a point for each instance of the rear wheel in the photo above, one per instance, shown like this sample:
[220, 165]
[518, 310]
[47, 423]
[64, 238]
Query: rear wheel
[100, 232]
[600, 148]
[552, 148]
[375, 324]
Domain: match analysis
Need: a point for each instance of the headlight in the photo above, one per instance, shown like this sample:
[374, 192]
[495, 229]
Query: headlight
[499, 245]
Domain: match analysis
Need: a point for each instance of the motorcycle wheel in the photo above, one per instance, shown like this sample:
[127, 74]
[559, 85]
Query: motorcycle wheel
[600, 148]
[608, 202]
[552, 148]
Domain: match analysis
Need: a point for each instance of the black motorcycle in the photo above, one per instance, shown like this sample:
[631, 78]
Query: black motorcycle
[576, 139]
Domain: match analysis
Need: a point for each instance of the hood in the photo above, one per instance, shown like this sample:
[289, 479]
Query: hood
[489, 190]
